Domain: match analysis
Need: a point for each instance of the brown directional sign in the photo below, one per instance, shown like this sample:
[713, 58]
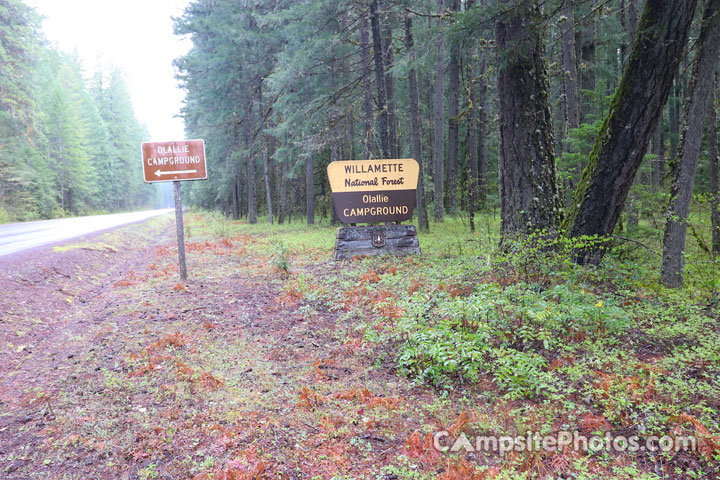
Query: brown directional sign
[172, 161]
[373, 191]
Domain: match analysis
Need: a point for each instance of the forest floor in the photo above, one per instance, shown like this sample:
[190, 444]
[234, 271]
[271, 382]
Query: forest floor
[273, 361]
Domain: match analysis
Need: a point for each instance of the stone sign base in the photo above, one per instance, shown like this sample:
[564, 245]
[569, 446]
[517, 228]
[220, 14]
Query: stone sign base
[378, 240]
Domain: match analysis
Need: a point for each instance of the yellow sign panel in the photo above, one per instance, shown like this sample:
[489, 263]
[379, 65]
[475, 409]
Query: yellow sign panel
[373, 175]
[372, 191]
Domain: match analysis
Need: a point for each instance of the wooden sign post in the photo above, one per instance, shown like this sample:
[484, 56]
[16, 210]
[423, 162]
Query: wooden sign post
[175, 162]
[374, 191]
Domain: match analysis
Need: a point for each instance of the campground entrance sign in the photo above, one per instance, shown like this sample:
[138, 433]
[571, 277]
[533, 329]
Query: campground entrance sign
[175, 162]
[372, 191]
[375, 192]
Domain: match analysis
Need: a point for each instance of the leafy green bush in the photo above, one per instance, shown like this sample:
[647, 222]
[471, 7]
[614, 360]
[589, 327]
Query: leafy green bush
[505, 332]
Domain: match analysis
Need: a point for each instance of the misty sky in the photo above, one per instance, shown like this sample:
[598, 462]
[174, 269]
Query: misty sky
[136, 35]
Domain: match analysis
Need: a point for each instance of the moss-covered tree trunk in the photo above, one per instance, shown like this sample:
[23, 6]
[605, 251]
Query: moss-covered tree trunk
[569, 65]
[701, 82]
[714, 177]
[634, 114]
[528, 192]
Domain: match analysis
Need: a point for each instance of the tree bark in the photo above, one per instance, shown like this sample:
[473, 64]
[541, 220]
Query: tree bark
[235, 200]
[714, 180]
[675, 118]
[658, 166]
[283, 192]
[472, 147]
[250, 180]
[388, 60]
[634, 114]
[696, 110]
[586, 70]
[309, 191]
[483, 132]
[380, 79]
[528, 193]
[438, 124]
[570, 78]
[633, 209]
[479, 120]
[416, 128]
[267, 158]
[369, 142]
[453, 111]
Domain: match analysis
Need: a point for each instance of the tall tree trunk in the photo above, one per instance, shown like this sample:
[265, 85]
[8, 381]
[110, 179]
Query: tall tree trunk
[633, 210]
[586, 69]
[235, 200]
[267, 158]
[632, 21]
[696, 110]
[483, 132]
[438, 116]
[251, 190]
[675, 117]
[380, 79]
[453, 111]
[416, 128]
[283, 192]
[388, 60]
[714, 180]
[528, 193]
[658, 166]
[242, 197]
[309, 190]
[623, 44]
[250, 180]
[479, 91]
[334, 157]
[472, 147]
[369, 142]
[570, 78]
[633, 117]
[350, 136]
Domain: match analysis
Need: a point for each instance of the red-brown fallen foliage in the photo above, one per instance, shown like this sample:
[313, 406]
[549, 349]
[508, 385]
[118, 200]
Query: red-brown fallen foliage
[221, 248]
[708, 444]
[422, 448]
[245, 467]
[415, 286]
[590, 423]
[461, 470]
[371, 277]
[459, 425]
[366, 397]
[309, 398]
[131, 278]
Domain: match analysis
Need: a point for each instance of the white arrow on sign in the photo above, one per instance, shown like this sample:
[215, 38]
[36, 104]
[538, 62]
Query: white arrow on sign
[160, 173]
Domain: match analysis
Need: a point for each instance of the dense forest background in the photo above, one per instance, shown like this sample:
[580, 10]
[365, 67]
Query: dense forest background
[504, 102]
[69, 142]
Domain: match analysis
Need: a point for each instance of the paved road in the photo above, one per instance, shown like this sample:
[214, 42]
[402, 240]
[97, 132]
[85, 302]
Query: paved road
[16, 237]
